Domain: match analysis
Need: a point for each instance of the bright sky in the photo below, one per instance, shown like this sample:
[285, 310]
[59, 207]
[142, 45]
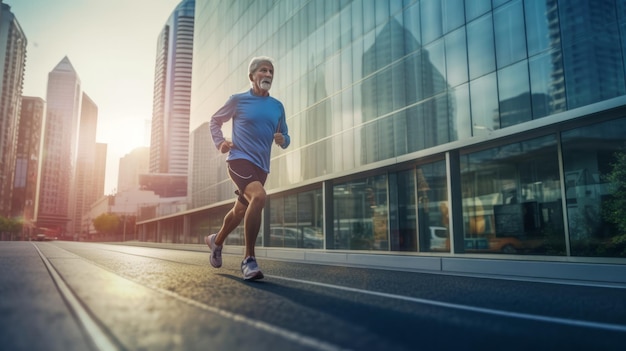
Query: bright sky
[112, 46]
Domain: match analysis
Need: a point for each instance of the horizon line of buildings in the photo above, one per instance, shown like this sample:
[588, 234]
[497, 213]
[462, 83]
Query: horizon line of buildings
[52, 169]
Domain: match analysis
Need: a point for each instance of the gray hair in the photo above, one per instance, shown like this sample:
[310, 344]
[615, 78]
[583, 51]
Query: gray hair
[256, 61]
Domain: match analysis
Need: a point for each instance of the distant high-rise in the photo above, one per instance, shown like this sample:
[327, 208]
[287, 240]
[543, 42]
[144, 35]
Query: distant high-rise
[131, 166]
[12, 61]
[59, 147]
[27, 160]
[169, 145]
[84, 191]
[100, 170]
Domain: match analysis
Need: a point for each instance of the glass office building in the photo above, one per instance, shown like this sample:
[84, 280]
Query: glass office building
[487, 129]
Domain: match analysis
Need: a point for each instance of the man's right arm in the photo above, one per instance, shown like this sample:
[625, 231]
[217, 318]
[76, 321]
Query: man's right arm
[224, 114]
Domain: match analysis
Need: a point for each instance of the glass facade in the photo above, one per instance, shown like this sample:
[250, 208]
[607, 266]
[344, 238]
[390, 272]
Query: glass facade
[427, 126]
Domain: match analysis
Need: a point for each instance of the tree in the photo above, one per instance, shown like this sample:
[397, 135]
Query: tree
[106, 223]
[615, 208]
[10, 226]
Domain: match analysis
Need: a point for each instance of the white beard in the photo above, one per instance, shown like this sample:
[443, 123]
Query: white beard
[265, 85]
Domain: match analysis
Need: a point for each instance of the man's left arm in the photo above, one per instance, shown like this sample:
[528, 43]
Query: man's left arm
[281, 137]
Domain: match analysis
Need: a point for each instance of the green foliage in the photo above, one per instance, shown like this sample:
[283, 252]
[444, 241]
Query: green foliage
[10, 225]
[614, 209]
[106, 223]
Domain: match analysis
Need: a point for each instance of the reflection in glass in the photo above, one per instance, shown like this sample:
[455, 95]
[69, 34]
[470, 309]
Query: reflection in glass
[509, 34]
[512, 199]
[433, 216]
[431, 20]
[480, 50]
[395, 85]
[594, 68]
[361, 214]
[593, 157]
[475, 8]
[484, 103]
[548, 92]
[453, 14]
[296, 221]
[461, 122]
[405, 239]
[411, 16]
[456, 57]
[541, 27]
[514, 94]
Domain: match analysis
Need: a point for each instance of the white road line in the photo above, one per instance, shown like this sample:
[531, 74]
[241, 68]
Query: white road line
[287, 334]
[556, 320]
[105, 344]
[99, 338]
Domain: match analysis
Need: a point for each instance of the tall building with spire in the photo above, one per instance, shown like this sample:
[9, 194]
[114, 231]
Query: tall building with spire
[169, 145]
[12, 63]
[59, 147]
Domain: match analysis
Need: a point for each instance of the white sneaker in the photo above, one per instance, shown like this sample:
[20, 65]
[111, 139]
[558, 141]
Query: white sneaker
[216, 251]
[250, 269]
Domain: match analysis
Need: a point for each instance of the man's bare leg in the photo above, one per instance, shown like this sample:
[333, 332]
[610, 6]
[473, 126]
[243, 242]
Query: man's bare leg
[255, 194]
[231, 221]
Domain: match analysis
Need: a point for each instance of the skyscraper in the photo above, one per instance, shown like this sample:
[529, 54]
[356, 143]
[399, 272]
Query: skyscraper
[27, 160]
[131, 166]
[12, 61]
[169, 145]
[84, 189]
[59, 147]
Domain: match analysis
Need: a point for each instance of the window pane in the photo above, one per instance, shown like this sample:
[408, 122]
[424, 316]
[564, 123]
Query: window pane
[480, 50]
[509, 34]
[434, 79]
[461, 122]
[453, 14]
[475, 8]
[514, 94]
[361, 214]
[540, 26]
[593, 166]
[431, 20]
[310, 219]
[406, 237]
[484, 95]
[546, 84]
[412, 22]
[456, 58]
[432, 196]
[512, 199]
[415, 128]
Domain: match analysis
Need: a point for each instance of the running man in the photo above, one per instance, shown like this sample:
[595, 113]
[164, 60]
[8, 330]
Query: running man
[258, 120]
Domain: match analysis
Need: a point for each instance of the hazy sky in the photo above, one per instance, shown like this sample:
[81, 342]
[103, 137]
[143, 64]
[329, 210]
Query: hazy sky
[112, 46]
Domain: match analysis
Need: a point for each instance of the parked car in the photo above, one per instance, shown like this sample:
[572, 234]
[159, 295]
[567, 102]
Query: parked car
[306, 237]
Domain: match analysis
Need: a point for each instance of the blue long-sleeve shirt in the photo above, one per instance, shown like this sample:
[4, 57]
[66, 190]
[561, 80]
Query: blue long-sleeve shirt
[255, 120]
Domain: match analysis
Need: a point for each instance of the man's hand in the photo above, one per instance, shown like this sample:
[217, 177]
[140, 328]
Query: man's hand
[225, 146]
[279, 139]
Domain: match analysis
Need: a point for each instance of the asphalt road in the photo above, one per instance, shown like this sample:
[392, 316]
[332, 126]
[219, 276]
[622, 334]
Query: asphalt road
[89, 296]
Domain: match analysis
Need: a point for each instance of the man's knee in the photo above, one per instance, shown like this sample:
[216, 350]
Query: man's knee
[256, 193]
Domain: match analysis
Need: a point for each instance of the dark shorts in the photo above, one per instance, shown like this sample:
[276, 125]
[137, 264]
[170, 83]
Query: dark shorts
[242, 173]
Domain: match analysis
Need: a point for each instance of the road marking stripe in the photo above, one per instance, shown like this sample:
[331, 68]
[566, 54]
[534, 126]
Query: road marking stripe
[103, 342]
[287, 334]
[556, 320]
[98, 336]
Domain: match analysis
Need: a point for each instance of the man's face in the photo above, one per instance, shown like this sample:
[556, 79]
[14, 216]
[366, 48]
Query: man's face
[262, 77]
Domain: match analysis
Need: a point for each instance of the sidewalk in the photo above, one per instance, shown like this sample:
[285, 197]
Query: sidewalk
[33, 313]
